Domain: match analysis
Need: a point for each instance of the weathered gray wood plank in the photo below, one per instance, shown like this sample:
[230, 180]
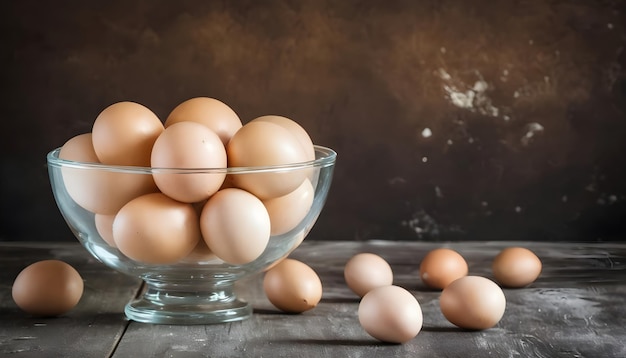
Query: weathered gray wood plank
[576, 309]
[91, 329]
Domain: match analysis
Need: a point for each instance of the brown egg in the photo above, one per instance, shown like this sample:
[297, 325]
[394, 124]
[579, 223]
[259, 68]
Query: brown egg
[292, 286]
[287, 211]
[390, 314]
[516, 267]
[123, 134]
[96, 189]
[442, 266]
[156, 229]
[235, 226]
[365, 272]
[47, 288]
[473, 302]
[104, 226]
[265, 144]
[210, 112]
[188, 145]
[295, 129]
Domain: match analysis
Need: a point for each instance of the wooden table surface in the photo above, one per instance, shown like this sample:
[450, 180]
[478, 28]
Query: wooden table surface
[577, 308]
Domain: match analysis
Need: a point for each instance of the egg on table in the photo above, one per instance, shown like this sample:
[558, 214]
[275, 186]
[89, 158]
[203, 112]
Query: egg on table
[442, 266]
[292, 286]
[367, 271]
[473, 302]
[47, 288]
[516, 267]
[390, 314]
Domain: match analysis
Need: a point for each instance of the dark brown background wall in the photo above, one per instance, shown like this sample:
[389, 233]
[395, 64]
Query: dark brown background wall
[452, 119]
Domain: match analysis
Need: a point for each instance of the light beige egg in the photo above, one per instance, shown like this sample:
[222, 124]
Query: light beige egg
[235, 226]
[516, 267]
[292, 286]
[124, 133]
[188, 145]
[104, 226]
[390, 314]
[47, 288]
[367, 271]
[156, 229]
[296, 129]
[442, 266]
[96, 189]
[262, 143]
[473, 302]
[287, 211]
[213, 113]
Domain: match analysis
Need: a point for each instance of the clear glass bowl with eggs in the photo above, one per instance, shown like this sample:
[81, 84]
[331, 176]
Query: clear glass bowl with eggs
[166, 242]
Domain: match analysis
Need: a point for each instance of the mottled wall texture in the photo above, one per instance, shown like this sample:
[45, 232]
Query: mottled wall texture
[453, 120]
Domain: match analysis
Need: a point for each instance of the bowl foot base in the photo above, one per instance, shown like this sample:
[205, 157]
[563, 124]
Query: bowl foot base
[165, 307]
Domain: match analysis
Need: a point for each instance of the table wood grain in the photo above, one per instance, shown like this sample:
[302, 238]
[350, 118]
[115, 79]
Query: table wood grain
[577, 308]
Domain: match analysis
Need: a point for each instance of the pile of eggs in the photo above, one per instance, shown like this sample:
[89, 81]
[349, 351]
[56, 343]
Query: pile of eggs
[171, 213]
[392, 314]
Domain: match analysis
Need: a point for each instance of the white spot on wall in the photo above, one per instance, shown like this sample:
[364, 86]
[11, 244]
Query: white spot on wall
[531, 42]
[609, 26]
[473, 98]
[424, 159]
[422, 223]
[564, 198]
[438, 192]
[444, 75]
[518, 209]
[397, 180]
[532, 129]
[443, 50]
[450, 142]
[427, 133]
[484, 203]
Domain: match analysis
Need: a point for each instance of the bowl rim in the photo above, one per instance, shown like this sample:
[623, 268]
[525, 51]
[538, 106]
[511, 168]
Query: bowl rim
[325, 157]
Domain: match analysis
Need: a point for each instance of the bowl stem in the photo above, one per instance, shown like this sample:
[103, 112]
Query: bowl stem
[166, 302]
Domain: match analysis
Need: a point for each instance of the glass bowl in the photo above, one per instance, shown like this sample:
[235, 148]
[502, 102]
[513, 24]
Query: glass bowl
[198, 289]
